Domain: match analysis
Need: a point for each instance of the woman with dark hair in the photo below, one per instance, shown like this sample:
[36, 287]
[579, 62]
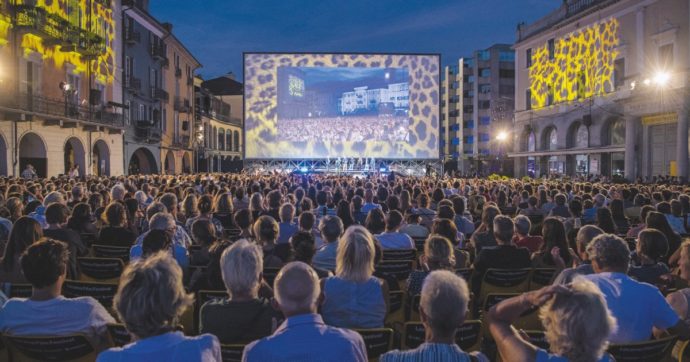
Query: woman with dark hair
[344, 213]
[303, 244]
[25, 232]
[205, 208]
[81, 220]
[210, 278]
[436, 196]
[618, 215]
[605, 221]
[554, 251]
[393, 203]
[376, 221]
[484, 235]
[16, 208]
[243, 220]
[657, 220]
[96, 202]
[115, 233]
[134, 215]
[222, 210]
[203, 235]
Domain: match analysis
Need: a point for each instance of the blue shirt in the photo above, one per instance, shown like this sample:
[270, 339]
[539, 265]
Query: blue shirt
[325, 257]
[287, 229]
[307, 338]
[432, 352]
[637, 307]
[171, 346]
[349, 304]
[544, 356]
[178, 252]
[395, 240]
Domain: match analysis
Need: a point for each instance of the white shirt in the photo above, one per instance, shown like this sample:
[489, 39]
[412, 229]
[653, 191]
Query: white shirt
[395, 240]
[58, 316]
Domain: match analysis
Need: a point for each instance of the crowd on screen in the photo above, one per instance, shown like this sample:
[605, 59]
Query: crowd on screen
[621, 266]
[345, 129]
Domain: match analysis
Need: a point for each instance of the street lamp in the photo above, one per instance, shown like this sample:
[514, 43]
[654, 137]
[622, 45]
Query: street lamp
[661, 78]
[502, 136]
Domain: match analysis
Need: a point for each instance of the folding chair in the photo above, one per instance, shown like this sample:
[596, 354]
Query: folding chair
[76, 348]
[465, 273]
[419, 244]
[88, 239]
[18, 290]
[396, 301]
[107, 251]
[654, 350]
[398, 269]
[102, 292]
[412, 308]
[541, 277]
[377, 340]
[119, 336]
[537, 338]
[504, 281]
[100, 269]
[469, 336]
[232, 352]
[400, 254]
[202, 297]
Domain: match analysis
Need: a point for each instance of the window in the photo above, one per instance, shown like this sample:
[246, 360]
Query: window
[484, 55]
[506, 91]
[506, 56]
[467, 109]
[455, 127]
[128, 112]
[164, 123]
[552, 49]
[468, 124]
[469, 139]
[454, 99]
[468, 62]
[484, 104]
[129, 69]
[484, 120]
[455, 141]
[619, 73]
[528, 99]
[485, 72]
[470, 79]
[455, 85]
[528, 57]
[142, 112]
[484, 137]
[666, 56]
[485, 88]
[506, 73]
[453, 113]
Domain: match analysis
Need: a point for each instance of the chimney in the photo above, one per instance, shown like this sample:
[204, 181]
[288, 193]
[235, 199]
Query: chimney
[168, 27]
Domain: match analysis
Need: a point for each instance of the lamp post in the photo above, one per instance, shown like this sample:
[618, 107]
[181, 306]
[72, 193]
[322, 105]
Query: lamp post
[199, 141]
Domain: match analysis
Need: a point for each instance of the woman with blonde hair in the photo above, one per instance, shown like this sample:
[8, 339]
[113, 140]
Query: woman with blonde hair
[576, 321]
[149, 301]
[354, 298]
[438, 255]
[189, 208]
[223, 210]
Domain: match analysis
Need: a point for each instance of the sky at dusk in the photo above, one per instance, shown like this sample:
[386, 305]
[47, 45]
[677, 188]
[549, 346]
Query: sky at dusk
[218, 31]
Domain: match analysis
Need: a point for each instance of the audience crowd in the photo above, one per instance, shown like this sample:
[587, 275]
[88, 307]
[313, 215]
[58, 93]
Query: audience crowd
[300, 268]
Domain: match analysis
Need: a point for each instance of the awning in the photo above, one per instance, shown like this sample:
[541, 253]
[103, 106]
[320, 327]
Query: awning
[572, 151]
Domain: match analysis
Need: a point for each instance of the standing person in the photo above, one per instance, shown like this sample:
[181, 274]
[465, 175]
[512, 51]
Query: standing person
[29, 172]
[74, 171]
[304, 336]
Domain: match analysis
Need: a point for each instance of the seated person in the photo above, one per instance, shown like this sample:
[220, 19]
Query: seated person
[503, 256]
[304, 249]
[149, 302]
[162, 239]
[304, 336]
[392, 238]
[438, 255]
[116, 233]
[204, 235]
[442, 309]
[413, 228]
[56, 217]
[522, 237]
[354, 298]
[584, 236]
[243, 316]
[287, 226]
[266, 232]
[576, 321]
[651, 247]
[25, 232]
[638, 307]
[210, 278]
[331, 228]
[47, 312]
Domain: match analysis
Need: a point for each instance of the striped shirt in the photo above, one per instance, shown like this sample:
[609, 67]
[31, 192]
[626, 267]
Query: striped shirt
[430, 352]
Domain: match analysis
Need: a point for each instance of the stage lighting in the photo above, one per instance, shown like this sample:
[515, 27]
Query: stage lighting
[303, 169]
[502, 136]
[661, 78]
[382, 169]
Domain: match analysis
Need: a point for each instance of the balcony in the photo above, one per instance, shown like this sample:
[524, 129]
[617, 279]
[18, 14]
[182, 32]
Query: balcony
[182, 105]
[182, 142]
[190, 80]
[178, 72]
[85, 43]
[159, 94]
[61, 109]
[131, 36]
[146, 130]
[159, 52]
[133, 84]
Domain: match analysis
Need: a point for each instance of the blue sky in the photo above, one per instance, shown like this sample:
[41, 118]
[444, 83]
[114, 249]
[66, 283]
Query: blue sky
[218, 31]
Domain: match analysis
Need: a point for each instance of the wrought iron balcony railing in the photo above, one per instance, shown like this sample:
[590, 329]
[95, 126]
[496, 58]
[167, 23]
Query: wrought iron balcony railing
[132, 36]
[159, 52]
[147, 130]
[61, 109]
[133, 84]
[160, 94]
[178, 72]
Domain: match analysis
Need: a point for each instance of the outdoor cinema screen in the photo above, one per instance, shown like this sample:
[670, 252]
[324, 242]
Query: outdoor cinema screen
[341, 105]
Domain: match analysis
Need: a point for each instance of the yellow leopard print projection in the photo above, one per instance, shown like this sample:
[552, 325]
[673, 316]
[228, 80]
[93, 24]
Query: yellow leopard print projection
[582, 65]
[5, 25]
[260, 72]
[102, 23]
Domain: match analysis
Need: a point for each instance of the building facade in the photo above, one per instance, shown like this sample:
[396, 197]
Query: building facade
[602, 89]
[218, 124]
[178, 109]
[60, 104]
[476, 110]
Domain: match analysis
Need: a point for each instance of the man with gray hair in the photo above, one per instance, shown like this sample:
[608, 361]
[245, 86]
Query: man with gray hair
[180, 236]
[304, 336]
[584, 236]
[523, 239]
[117, 193]
[442, 308]
[40, 213]
[638, 307]
[165, 222]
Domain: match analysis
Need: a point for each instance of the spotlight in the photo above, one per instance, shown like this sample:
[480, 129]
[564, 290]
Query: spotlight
[502, 136]
[661, 78]
[304, 170]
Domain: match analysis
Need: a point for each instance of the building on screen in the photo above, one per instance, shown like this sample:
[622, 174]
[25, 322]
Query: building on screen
[477, 97]
[602, 89]
[60, 100]
[364, 99]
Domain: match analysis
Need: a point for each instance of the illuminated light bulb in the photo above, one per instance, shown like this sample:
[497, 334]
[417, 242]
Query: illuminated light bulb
[502, 136]
[661, 78]
[647, 81]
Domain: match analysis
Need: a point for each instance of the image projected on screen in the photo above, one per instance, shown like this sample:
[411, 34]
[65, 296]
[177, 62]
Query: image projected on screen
[343, 104]
[314, 105]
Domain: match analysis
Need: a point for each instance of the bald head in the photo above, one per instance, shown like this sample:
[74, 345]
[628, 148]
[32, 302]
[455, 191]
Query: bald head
[297, 289]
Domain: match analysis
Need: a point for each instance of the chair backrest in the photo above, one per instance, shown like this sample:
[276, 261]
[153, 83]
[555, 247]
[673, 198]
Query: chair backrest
[19, 290]
[102, 292]
[202, 297]
[270, 275]
[412, 308]
[88, 239]
[419, 244]
[413, 335]
[654, 350]
[107, 251]
[465, 273]
[398, 269]
[541, 277]
[377, 340]
[537, 338]
[400, 254]
[100, 269]
[468, 336]
[119, 336]
[495, 298]
[231, 352]
[504, 281]
[396, 302]
[50, 348]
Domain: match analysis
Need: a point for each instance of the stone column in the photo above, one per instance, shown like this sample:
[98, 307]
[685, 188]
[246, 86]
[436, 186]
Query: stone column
[630, 151]
[682, 144]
